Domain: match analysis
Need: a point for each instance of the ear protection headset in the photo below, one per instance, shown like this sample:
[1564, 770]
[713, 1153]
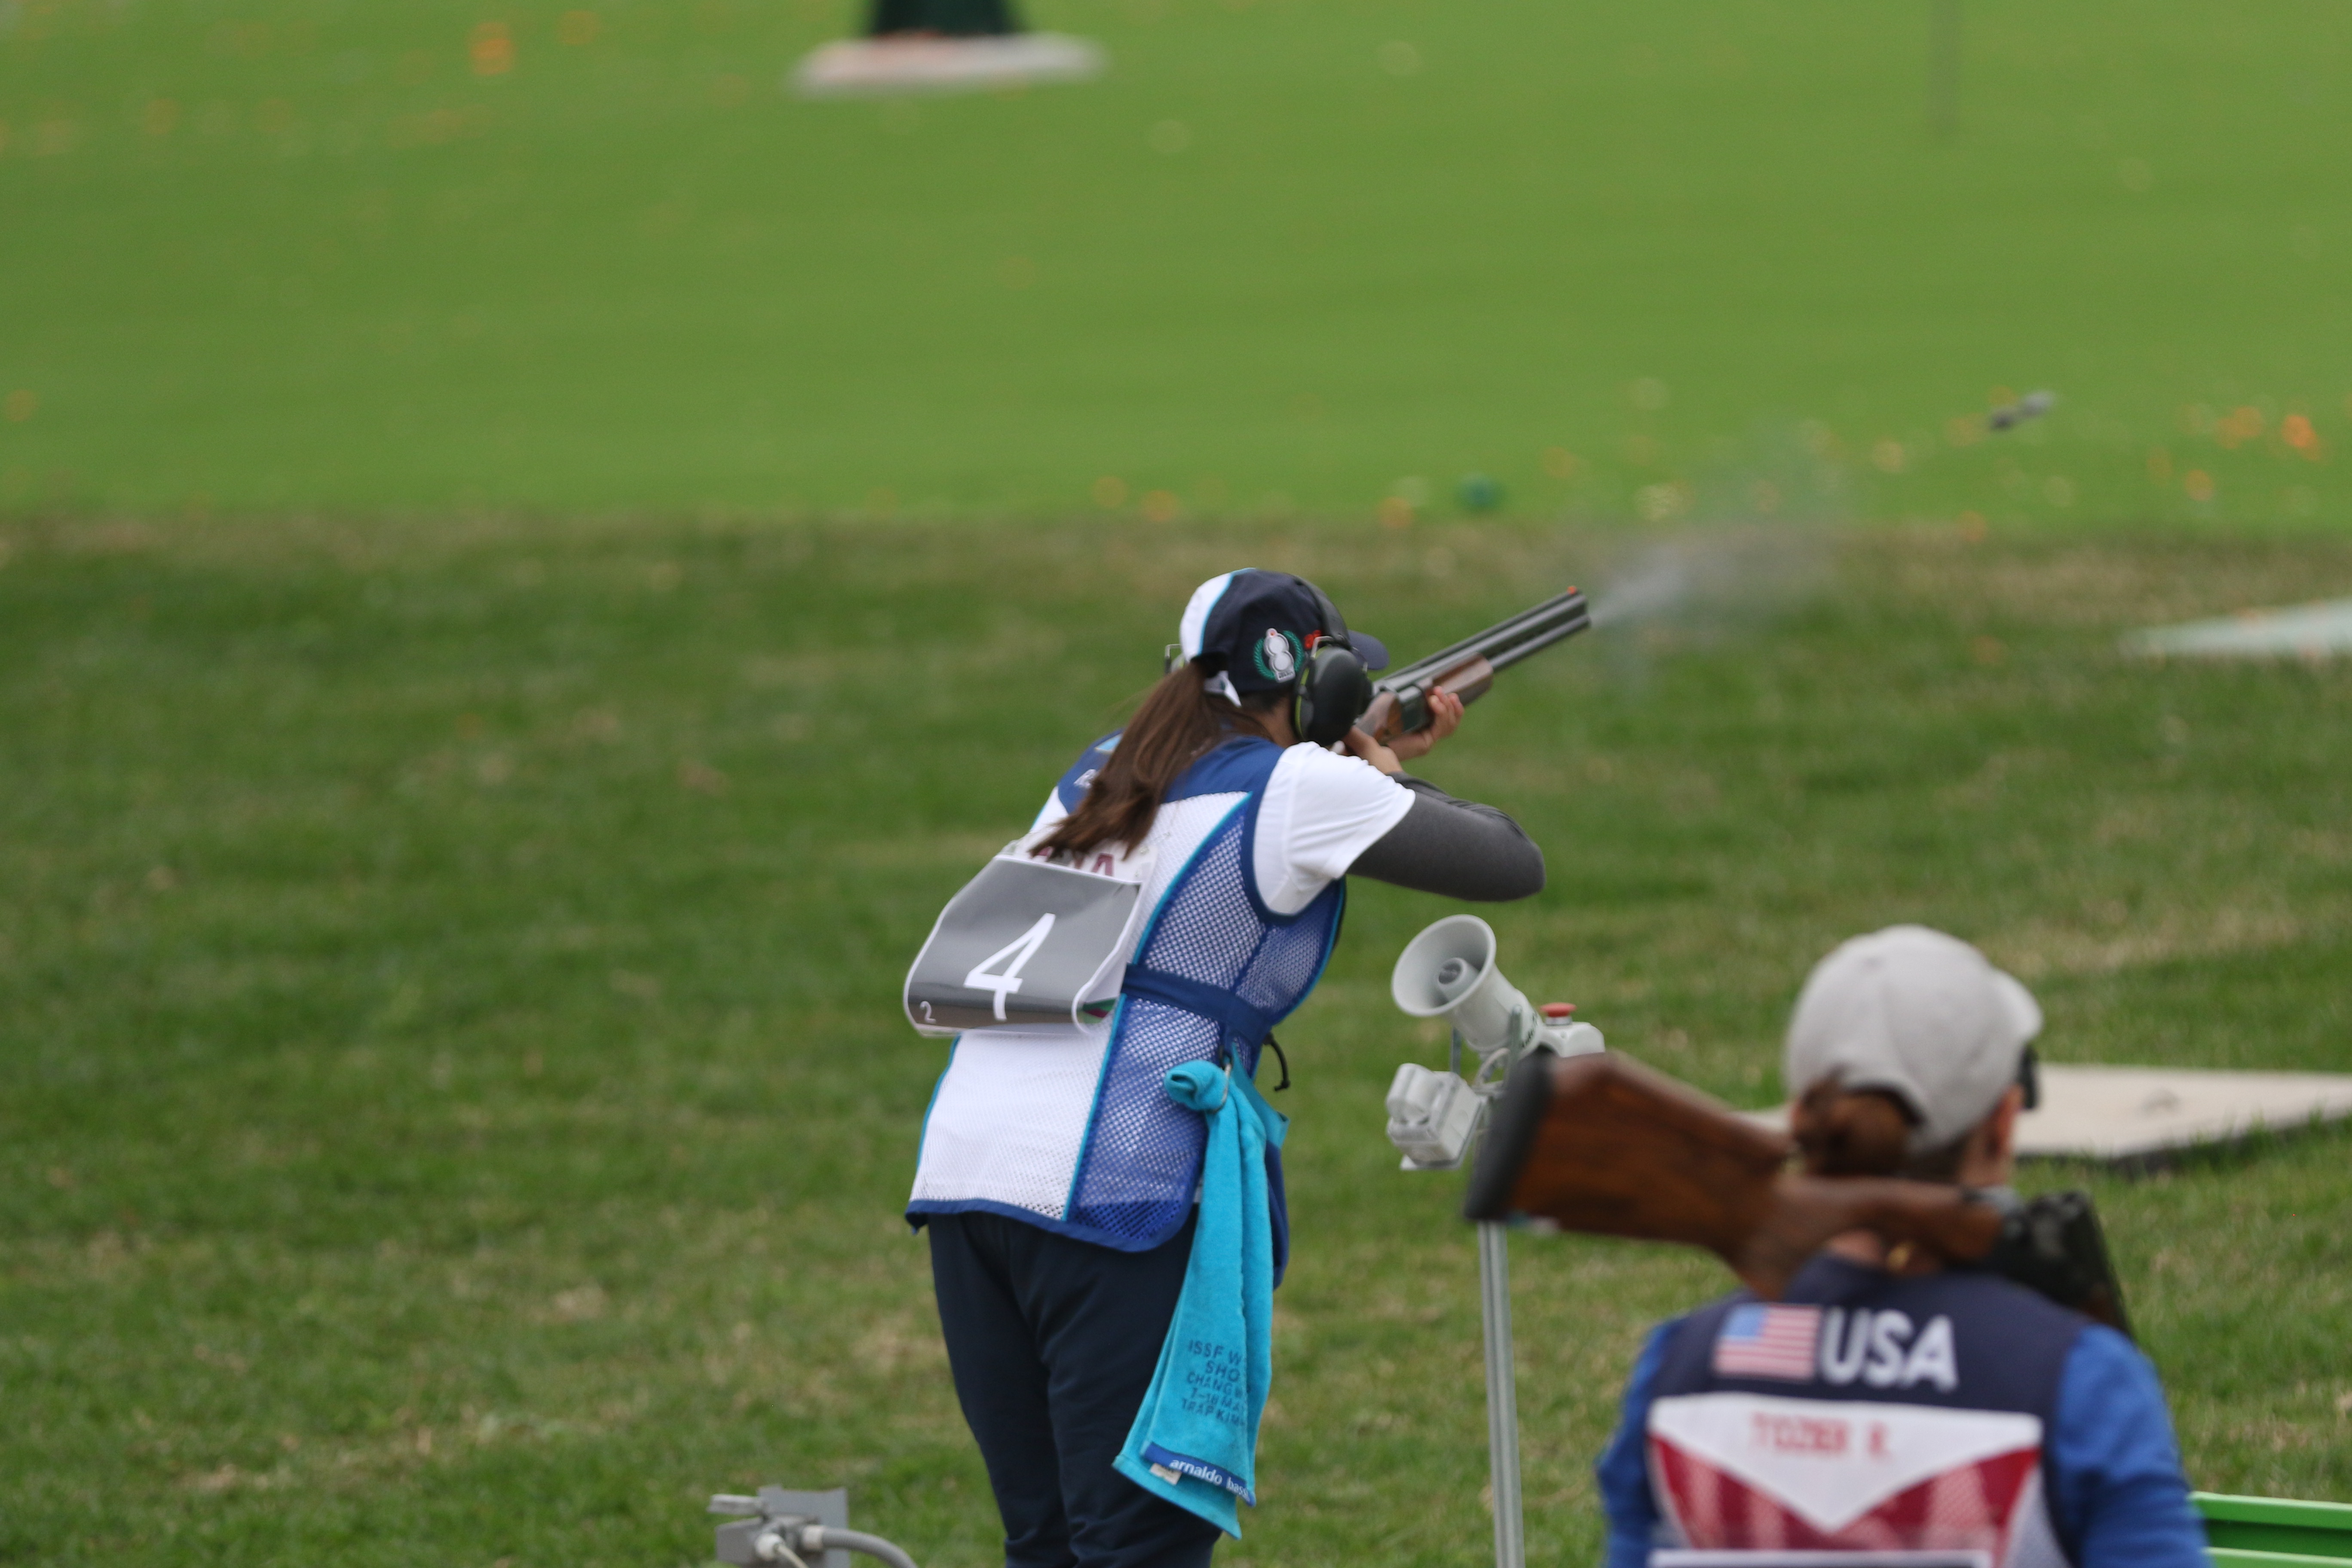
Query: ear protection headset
[1334, 688]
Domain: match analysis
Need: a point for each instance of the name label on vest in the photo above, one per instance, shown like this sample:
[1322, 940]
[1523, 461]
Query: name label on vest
[1749, 1470]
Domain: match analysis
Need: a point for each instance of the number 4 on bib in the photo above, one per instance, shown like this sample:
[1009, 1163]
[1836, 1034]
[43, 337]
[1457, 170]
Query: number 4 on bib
[1013, 955]
[1029, 944]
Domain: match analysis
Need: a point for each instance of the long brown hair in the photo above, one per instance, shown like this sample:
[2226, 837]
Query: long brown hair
[1865, 1133]
[1179, 719]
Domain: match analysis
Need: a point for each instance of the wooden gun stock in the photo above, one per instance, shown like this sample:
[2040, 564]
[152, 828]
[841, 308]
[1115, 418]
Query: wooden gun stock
[1601, 1144]
[1387, 717]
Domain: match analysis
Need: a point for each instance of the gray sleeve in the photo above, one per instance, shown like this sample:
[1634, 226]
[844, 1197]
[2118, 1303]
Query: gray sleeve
[1454, 848]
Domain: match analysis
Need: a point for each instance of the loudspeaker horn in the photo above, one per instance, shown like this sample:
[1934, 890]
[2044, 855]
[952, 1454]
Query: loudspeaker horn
[1449, 971]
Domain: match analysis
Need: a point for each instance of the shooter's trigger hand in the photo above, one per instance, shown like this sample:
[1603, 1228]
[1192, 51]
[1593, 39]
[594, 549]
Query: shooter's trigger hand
[1359, 745]
[1444, 718]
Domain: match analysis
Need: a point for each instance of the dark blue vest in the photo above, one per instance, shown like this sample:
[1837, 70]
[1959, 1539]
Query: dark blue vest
[1958, 1340]
[1214, 972]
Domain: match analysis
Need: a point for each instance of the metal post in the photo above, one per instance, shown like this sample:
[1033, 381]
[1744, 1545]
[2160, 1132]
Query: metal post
[1502, 1396]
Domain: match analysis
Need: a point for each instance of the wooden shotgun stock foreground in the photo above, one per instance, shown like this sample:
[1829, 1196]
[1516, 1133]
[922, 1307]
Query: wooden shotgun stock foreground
[1602, 1144]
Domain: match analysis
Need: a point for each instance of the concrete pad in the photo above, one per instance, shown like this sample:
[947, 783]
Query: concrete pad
[2127, 1115]
[2306, 631]
[883, 67]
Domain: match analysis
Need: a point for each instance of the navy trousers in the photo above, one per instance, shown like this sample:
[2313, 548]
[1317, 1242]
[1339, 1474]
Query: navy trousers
[1053, 1342]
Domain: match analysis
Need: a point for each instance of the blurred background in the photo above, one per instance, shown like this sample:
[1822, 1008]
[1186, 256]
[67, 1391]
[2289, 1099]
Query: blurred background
[533, 560]
[1289, 255]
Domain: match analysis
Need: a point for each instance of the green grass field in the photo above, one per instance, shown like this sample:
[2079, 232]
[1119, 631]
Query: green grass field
[454, 1110]
[1291, 257]
[531, 563]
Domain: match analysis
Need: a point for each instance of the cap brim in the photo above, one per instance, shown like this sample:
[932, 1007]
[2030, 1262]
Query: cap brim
[1370, 649]
[2025, 1012]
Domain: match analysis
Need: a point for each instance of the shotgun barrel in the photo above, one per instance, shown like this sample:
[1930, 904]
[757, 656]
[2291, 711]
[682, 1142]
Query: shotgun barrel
[1467, 669]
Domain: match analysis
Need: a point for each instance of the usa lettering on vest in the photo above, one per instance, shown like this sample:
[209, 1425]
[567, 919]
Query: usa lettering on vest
[1881, 1350]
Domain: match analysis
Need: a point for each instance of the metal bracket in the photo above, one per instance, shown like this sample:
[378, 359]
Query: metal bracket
[737, 1538]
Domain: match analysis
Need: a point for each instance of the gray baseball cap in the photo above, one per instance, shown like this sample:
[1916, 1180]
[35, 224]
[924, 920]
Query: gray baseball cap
[1920, 1015]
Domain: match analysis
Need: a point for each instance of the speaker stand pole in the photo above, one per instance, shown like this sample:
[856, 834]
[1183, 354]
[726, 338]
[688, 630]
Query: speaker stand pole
[1502, 1395]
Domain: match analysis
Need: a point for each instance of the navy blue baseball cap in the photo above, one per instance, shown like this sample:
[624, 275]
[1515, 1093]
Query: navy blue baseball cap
[1255, 627]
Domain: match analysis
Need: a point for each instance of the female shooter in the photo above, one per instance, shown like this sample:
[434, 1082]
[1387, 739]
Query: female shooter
[1056, 1178]
[1886, 1407]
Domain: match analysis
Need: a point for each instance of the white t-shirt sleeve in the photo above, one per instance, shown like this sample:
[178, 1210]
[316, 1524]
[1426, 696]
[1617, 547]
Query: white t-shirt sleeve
[1321, 810]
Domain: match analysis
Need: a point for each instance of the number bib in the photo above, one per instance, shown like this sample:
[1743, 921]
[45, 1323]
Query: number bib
[1029, 944]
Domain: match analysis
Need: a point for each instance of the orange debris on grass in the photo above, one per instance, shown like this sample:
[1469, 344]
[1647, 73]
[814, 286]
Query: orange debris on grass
[492, 50]
[2297, 431]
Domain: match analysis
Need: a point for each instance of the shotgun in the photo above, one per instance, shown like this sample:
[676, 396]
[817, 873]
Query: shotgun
[1467, 669]
[1604, 1145]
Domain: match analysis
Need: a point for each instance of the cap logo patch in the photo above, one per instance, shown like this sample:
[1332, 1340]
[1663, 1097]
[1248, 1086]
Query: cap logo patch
[1277, 655]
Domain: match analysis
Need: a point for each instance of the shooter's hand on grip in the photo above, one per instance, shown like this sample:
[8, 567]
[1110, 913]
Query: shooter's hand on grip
[1397, 716]
[1444, 718]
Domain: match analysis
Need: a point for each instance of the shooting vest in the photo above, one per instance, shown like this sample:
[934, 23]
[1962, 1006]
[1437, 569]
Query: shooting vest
[1077, 1135]
[1864, 1413]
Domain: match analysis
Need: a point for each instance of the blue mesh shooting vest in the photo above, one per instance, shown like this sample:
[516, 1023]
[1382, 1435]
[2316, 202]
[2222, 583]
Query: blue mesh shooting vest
[1212, 973]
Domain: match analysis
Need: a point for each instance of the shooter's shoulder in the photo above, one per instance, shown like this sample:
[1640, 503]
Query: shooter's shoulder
[1080, 776]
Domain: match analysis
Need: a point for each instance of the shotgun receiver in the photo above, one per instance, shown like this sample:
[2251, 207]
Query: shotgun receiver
[1603, 1145]
[1467, 669]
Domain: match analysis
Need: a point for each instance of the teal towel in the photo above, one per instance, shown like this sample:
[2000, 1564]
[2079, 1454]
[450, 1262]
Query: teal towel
[1195, 1439]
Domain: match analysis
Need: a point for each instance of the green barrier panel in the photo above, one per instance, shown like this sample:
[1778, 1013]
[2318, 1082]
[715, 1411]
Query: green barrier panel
[2278, 1531]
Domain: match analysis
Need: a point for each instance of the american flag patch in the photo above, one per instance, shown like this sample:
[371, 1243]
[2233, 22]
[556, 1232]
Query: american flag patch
[1757, 1341]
